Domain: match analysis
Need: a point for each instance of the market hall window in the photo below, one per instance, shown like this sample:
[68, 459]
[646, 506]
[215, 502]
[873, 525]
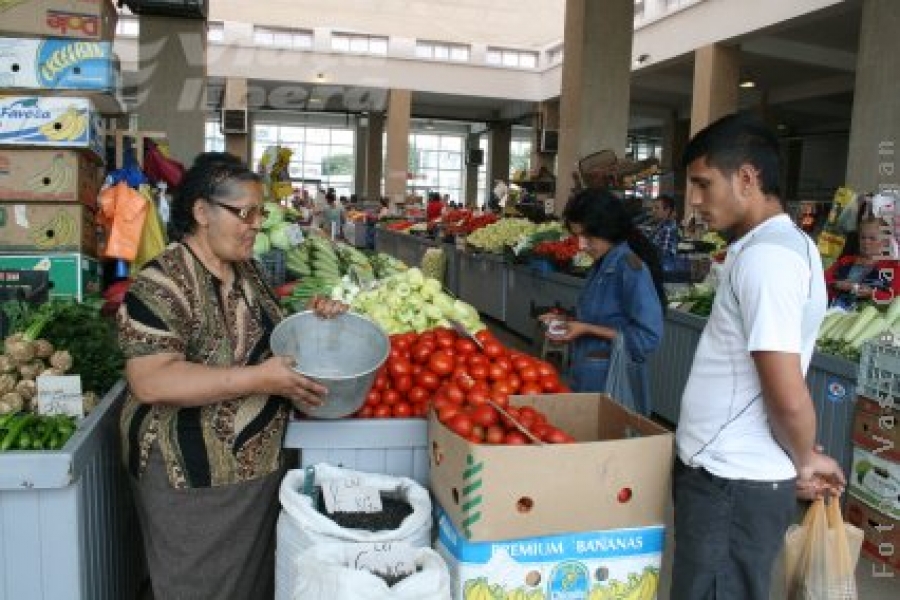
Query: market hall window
[436, 165]
[128, 26]
[358, 43]
[508, 57]
[215, 32]
[442, 51]
[282, 37]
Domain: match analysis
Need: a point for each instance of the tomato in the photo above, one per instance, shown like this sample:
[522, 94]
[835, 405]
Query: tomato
[502, 388]
[395, 353]
[521, 362]
[403, 383]
[420, 409]
[427, 337]
[454, 394]
[445, 338]
[540, 430]
[428, 380]
[485, 336]
[529, 373]
[478, 371]
[500, 400]
[398, 367]
[465, 346]
[418, 394]
[365, 412]
[460, 424]
[515, 382]
[421, 351]
[513, 413]
[515, 438]
[382, 411]
[381, 380]
[493, 349]
[485, 415]
[544, 368]
[477, 397]
[557, 436]
[494, 434]
[417, 370]
[530, 389]
[527, 412]
[497, 372]
[390, 397]
[446, 413]
[504, 362]
[477, 434]
[400, 342]
[550, 383]
[402, 410]
[440, 363]
[477, 358]
[373, 398]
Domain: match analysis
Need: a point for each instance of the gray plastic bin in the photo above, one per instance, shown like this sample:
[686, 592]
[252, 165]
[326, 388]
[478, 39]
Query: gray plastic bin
[68, 530]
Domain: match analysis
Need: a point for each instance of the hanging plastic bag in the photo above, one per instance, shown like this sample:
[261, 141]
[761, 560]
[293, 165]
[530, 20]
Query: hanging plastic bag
[153, 238]
[301, 525]
[820, 555]
[326, 572]
[160, 167]
[130, 172]
[618, 377]
[122, 213]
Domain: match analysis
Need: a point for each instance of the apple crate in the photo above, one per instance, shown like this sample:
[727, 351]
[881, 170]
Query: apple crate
[397, 447]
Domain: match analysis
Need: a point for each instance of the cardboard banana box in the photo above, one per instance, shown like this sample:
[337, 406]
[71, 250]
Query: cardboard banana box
[58, 122]
[82, 19]
[46, 227]
[28, 175]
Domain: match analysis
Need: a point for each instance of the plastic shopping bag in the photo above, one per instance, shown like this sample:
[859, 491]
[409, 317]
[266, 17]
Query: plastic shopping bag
[326, 572]
[618, 377]
[122, 213]
[820, 555]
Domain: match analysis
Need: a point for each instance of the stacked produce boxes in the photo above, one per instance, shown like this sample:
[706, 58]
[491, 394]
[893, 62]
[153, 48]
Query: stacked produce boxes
[57, 75]
[874, 501]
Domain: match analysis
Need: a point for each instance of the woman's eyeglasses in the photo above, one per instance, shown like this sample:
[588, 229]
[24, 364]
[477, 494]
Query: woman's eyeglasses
[247, 214]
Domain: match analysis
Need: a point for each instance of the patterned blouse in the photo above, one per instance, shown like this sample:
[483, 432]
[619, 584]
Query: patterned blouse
[175, 305]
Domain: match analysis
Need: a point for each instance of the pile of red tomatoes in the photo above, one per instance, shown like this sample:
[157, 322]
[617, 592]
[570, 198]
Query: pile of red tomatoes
[446, 371]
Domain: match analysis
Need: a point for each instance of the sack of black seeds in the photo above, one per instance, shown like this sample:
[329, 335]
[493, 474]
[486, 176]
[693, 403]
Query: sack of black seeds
[330, 571]
[304, 521]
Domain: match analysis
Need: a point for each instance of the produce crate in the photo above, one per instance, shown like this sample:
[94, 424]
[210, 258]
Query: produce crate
[47, 227]
[273, 266]
[52, 121]
[42, 175]
[68, 530]
[71, 275]
[396, 447]
[82, 19]
[879, 370]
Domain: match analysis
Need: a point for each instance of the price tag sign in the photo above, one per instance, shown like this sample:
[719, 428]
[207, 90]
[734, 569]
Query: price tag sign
[394, 560]
[349, 495]
[59, 395]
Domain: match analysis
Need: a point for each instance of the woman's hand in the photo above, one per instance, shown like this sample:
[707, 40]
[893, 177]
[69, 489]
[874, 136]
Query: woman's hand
[326, 307]
[567, 331]
[278, 377]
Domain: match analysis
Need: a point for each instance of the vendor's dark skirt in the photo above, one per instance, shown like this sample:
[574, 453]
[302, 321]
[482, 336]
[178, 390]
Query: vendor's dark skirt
[213, 543]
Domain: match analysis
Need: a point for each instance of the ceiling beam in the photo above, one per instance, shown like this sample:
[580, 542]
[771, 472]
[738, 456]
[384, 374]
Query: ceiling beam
[799, 52]
[806, 90]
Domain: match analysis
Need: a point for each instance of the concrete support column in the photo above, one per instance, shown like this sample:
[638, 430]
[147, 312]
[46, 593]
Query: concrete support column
[399, 102]
[473, 141]
[667, 161]
[236, 98]
[548, 113]
[359, 160]
[872, 163]
[172, 62]
[373, 156]
[716, 78]
[596, 81]
[501, 137]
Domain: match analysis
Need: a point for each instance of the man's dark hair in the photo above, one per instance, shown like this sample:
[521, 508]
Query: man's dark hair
[735, 140]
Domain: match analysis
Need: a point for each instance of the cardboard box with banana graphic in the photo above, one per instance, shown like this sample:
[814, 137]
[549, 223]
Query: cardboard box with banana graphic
[72, 275]
[47, 227]
[59, 122]
[82, 19]
[58, 64]
[32, 175]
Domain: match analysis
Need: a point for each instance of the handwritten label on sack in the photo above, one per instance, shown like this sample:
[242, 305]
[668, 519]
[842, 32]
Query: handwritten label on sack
[394, 560]
[349, 495]
[59, 395]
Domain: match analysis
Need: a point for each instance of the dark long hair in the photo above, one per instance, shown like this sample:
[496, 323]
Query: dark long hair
[213, 175]
[602, 215]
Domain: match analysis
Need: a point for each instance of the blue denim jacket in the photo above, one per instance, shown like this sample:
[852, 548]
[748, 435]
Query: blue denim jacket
[620, 296]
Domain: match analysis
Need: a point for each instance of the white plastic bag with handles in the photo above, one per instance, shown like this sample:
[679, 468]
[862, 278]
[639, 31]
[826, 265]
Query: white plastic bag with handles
[302, 526]
[325, 572]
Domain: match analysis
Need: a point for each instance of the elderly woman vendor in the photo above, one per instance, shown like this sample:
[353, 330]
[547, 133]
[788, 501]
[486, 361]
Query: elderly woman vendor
[203, 422]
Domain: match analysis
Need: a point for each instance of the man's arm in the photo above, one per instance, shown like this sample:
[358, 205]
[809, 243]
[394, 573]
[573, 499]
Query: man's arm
[793, 419]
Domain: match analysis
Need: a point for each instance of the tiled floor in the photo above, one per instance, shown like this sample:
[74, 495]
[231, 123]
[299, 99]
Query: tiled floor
[872, 583]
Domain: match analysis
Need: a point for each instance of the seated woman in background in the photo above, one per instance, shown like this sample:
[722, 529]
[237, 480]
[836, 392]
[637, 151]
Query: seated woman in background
[867, 275]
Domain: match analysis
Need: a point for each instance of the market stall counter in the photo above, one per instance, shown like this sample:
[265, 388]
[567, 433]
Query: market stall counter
[482, 283]
[68, 529]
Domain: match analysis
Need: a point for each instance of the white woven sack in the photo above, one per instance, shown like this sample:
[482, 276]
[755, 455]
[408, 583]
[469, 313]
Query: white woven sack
[301, 526]
[323, 574]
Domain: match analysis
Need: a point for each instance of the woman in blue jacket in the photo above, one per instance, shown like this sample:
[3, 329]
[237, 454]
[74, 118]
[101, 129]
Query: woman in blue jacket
[622, 295]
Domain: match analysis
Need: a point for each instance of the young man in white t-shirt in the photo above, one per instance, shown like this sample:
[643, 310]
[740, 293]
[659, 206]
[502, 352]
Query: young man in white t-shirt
[746, 434]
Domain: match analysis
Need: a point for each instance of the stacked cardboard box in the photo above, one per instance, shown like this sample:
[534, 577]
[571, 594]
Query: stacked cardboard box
[553, 521]
[57, 75]
[874, 501]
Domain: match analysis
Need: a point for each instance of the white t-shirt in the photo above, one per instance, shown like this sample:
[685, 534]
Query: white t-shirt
[771, 297]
